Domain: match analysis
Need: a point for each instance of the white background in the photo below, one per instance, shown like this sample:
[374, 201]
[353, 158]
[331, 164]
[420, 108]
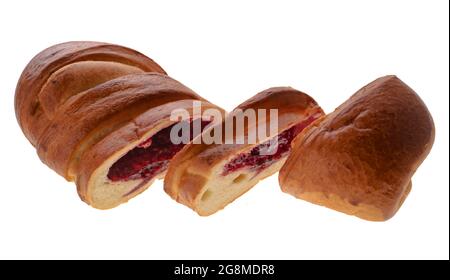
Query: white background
[227, 52]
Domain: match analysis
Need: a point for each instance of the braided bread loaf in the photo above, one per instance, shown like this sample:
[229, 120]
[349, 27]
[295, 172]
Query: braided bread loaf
[99, 114]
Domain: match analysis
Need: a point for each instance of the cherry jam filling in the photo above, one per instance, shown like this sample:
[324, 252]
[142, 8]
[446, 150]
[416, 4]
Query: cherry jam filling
[258, 159]
[149, 158]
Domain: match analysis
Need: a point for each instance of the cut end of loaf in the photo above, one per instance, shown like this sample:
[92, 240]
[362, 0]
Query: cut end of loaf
[102, 191]
[133, 169]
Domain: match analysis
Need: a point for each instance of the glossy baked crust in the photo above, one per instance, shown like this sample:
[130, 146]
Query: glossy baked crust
[360, 158]
[195, 172]
[85, 104]
[66, 69]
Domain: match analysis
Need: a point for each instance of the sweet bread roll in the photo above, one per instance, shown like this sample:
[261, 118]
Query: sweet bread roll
[96, 117]
[360, 159]
[207, 176]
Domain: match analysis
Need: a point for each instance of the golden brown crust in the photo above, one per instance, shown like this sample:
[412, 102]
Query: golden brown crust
[360, 158]
[79, 77]
[29, 111]
[104, 108]
[193, 167]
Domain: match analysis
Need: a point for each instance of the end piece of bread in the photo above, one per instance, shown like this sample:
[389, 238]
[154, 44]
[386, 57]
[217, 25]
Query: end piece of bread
[360, 159]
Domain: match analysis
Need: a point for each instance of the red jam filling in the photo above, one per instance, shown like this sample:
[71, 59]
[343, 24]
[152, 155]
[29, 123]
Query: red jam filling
[149, 158]
[256, 161]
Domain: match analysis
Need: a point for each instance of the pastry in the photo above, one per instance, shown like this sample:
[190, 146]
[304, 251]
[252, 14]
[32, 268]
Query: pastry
[360, 159]
[99, 114]
[208, 176]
